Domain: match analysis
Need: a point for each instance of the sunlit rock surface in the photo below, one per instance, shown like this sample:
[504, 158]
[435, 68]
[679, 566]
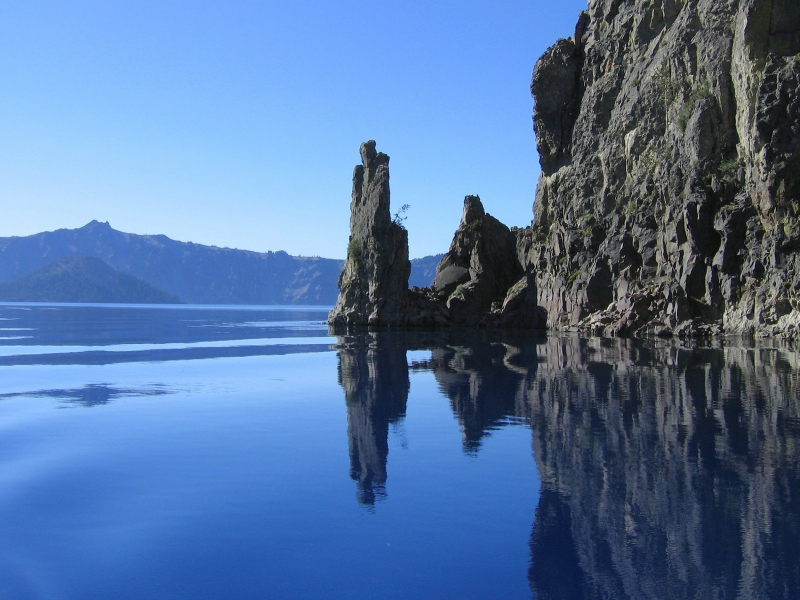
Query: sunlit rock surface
[669, 141]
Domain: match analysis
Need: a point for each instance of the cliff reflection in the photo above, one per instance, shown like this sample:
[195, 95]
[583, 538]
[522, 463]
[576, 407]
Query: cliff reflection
[667, 470]
[485, 384]
[374, 377]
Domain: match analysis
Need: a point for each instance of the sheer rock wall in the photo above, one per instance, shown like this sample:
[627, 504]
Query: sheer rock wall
[669, 141]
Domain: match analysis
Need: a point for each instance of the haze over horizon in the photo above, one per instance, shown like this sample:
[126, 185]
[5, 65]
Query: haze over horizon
[239, 125]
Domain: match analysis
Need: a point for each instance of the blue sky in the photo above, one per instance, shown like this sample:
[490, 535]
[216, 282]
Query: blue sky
[237, 123]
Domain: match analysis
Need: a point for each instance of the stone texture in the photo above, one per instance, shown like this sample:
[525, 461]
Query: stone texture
[669, 140]
[373, 286]
[480, 282]
[483, 255]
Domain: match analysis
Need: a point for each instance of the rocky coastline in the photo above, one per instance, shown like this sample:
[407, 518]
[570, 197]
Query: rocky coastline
[668, 202]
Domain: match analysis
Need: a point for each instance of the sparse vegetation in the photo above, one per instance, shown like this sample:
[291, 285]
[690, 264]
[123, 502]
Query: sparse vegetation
[400, 216]
[354, 250]
[729, 167]
[699, 93]
[459, 291]
[573, 277]
[631, 207]
[475, 225]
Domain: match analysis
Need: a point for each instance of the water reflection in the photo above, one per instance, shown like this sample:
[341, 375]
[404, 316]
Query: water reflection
[92, 394]
[668, 470]
[374, 377]
[81, 334]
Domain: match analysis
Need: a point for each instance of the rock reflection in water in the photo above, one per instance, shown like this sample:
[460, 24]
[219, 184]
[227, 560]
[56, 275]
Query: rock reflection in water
[667, 470]
[374, 377]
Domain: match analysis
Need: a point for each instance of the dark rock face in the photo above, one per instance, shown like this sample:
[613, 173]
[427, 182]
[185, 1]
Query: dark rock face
[481, 265]
[480, 282]
[669, 137]
[373, 286]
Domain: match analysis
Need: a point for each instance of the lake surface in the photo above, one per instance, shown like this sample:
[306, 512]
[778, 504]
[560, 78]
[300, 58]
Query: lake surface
[229, 452]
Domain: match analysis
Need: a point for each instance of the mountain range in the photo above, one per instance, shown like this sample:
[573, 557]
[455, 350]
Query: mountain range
[182, 271]
[82, 279]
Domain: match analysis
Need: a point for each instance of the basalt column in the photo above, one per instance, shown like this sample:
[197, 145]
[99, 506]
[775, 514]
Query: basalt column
[373, 286]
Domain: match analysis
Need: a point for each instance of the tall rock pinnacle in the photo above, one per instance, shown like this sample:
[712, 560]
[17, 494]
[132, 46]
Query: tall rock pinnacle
[373, 286]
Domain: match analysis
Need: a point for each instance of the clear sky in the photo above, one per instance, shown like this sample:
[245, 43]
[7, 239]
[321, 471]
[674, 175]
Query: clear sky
[237, 122]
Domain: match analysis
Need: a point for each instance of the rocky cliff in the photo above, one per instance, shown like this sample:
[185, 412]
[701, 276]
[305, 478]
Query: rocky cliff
[668, 203]
[669, 141]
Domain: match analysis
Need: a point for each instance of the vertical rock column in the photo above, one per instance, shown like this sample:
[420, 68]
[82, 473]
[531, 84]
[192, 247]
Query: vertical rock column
[373, 286]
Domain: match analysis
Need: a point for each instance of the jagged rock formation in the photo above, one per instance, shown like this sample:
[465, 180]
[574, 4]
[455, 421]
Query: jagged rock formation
[669, 202]
[669, 141]
[480, 267]
[373, 286]
[479, 282]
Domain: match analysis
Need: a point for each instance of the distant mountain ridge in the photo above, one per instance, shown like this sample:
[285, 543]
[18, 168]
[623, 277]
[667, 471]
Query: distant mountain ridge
[194, 273]
[82, 279]
[423, 270]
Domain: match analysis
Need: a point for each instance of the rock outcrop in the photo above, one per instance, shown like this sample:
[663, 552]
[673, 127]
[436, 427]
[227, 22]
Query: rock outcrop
[669, 141]
[480, 282]
[481, 265]
[669, 198]
[373, 286]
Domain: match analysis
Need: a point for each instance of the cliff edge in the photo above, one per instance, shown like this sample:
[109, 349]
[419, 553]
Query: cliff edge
[668, 204]
[669, 141]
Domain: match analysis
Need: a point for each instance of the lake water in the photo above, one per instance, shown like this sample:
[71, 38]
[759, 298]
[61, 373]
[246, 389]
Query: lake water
[228, 452]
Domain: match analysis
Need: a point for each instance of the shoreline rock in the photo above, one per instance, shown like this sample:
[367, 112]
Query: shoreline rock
[669, 197]
[669, 141]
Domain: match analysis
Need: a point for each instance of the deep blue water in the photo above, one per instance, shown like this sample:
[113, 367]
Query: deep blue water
[229, 452]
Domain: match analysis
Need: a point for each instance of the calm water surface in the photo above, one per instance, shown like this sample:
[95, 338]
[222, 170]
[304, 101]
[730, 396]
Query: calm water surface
[229, 452]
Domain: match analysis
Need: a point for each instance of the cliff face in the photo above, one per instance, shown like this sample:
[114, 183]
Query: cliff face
[669, 140]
